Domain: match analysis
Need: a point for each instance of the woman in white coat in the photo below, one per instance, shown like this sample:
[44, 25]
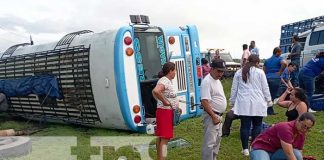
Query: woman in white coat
[250, 96]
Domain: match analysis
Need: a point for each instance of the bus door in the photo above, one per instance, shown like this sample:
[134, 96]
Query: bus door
[150, 55]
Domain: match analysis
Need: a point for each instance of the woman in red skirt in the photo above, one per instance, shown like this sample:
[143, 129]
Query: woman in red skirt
[166, 97]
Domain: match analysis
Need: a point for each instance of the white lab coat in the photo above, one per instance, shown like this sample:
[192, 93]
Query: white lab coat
[250, 99]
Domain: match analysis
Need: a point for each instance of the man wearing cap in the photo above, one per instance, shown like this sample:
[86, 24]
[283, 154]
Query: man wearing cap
[214, 103]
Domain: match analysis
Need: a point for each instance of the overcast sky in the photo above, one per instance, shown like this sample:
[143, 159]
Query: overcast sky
[221, 24]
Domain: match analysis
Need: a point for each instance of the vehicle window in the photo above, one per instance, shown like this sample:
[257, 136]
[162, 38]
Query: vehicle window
[226, 57]
[150, 51]
[321, 38]
[314, 38]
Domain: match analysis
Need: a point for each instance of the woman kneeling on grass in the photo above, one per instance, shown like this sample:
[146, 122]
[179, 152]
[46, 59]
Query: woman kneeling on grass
[166, 97]
[297, 105]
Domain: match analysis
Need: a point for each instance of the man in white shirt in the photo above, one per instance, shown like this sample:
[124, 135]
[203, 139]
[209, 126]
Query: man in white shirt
[254, 49]
[214, 103]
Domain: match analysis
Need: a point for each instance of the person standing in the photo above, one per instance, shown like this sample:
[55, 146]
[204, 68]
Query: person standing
[307, 75]
[205, 67]
[254, 49]
[166, 97]
[245, 55]
[284, 140]
[214, 103]
[294, 56]
[217, 54]
[250, 96]
[230, 116]
[273, 67]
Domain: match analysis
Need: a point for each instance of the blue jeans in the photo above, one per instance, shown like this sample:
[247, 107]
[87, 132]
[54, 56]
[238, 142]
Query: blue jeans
[274, 84]
[278, 155]
[281, 90]
[294, 75]
[308, 84]
[246, 126]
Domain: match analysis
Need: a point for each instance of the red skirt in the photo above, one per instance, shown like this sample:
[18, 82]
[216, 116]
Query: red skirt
[164, 123]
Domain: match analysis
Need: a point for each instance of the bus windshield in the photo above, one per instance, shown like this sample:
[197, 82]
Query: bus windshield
[152, 51]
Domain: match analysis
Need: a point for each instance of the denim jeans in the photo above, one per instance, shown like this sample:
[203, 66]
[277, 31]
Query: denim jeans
[281, 90]
[274, 84]
[294, 74]
[278, 155]
[308, 84]
[246, 126]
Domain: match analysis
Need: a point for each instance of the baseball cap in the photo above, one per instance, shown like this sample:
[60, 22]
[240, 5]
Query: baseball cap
[218, 64]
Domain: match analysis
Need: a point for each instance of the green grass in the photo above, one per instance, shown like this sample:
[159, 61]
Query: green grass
[190, 130]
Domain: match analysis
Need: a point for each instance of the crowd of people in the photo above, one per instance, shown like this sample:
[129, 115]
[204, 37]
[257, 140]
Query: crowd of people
[252, 94]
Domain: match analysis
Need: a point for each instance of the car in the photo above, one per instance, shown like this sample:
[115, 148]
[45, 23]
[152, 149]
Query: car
[231, 66]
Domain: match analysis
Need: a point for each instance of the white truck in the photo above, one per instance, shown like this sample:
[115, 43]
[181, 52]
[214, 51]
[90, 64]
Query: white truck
[312, 42]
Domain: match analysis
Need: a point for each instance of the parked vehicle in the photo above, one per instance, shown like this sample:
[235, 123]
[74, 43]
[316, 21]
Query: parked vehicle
[231, 66]
[312, 42]
[311, 37]
[295, 28]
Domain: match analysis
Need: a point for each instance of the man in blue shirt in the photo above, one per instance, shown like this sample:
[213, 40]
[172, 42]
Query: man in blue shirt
[254, 49]
[307, 75]
[285, 78]
[273, 67]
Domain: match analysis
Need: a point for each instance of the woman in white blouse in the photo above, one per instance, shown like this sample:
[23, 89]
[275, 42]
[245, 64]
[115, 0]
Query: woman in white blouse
[250, 96]
[166, 96]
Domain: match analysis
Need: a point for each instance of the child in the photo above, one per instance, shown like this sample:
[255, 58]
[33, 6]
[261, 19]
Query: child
[285, 79]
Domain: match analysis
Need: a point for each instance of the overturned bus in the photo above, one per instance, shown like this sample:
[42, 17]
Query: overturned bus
[102, 79]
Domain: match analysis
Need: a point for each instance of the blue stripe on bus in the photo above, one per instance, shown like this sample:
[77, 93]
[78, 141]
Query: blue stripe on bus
[120, 77]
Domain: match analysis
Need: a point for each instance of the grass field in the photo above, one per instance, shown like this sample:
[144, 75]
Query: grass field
[190, 130]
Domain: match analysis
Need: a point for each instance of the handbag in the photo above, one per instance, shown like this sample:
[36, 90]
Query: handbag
[176, 116]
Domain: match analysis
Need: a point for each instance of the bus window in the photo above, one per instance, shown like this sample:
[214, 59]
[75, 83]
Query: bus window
[153, 53]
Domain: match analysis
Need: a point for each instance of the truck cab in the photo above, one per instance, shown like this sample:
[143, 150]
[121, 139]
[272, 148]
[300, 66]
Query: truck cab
[314, 43]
